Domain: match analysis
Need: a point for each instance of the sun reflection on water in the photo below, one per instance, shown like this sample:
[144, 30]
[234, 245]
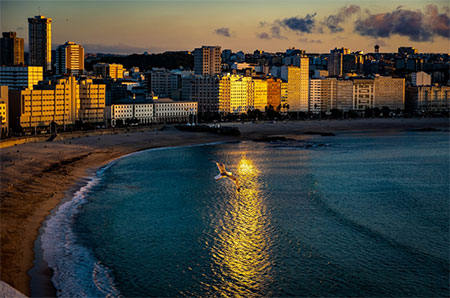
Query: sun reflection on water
[242, 250]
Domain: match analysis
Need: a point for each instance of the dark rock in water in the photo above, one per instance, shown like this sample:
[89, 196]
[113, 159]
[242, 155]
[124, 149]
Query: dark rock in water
[323, 134]
[272, 139]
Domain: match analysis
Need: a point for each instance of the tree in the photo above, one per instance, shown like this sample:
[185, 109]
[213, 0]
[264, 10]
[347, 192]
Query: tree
[376, 112]
[368, 112]
[336, 113]
[386, 111]
[271, 113]
[53, 127]
[353, 114]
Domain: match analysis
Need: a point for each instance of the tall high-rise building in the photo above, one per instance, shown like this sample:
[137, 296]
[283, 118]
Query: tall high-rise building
[293, 88]
[11, 49]
[335, 62]
[298, 86]
[70, 59]
[40, 41]
[207, 60]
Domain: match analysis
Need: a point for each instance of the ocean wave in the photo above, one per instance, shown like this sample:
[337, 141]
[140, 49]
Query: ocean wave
[76, 272]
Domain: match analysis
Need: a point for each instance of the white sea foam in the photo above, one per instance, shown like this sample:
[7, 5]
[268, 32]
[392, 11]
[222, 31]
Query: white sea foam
[76, 272]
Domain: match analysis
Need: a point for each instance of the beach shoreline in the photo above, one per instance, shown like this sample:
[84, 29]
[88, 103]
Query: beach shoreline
[36, 177]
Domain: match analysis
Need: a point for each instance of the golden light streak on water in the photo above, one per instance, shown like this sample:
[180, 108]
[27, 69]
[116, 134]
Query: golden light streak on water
[242, 252]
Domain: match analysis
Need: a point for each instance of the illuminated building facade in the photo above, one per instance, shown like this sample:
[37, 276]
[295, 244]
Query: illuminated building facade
[4, 106]
[70, 59]
[108, 70]
[260, 94]
[92, 101]
[298, 86]
[274, 92]
[47, 103]
[11, 49]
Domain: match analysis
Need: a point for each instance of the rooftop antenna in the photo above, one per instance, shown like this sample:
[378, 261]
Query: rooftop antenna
[39, 8]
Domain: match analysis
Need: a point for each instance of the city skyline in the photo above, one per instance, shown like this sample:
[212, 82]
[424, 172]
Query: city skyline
[158, 26]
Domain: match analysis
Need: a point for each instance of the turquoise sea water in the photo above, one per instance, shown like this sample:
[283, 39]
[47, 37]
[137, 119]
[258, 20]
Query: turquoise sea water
[350, 215]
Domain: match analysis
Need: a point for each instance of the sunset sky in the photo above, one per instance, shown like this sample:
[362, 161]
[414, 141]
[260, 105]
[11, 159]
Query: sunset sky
[315, 26]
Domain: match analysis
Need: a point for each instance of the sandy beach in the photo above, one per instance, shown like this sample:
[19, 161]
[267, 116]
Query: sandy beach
[36, 176]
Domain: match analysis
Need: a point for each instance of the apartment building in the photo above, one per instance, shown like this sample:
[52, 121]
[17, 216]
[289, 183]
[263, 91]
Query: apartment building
[92, 101]
[108, 70]
[260, 89]
[207, 60]
[363, 94]
[70, 59]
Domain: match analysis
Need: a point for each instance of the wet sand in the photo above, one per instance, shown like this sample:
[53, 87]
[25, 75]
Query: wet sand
[36, 176]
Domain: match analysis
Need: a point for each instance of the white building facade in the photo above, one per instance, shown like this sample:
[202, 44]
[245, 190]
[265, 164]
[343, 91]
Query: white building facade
[160, 111]
[315, 95]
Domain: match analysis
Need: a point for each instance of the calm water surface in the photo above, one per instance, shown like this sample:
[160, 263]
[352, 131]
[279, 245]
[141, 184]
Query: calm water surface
[365, 215]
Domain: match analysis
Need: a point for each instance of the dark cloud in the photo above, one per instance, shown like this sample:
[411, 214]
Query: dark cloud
[417, 25]
[333, 21]
[263, 35]
[275, 31]
[299, 24]
[310, 40]
[439, 23]
[223, 31]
